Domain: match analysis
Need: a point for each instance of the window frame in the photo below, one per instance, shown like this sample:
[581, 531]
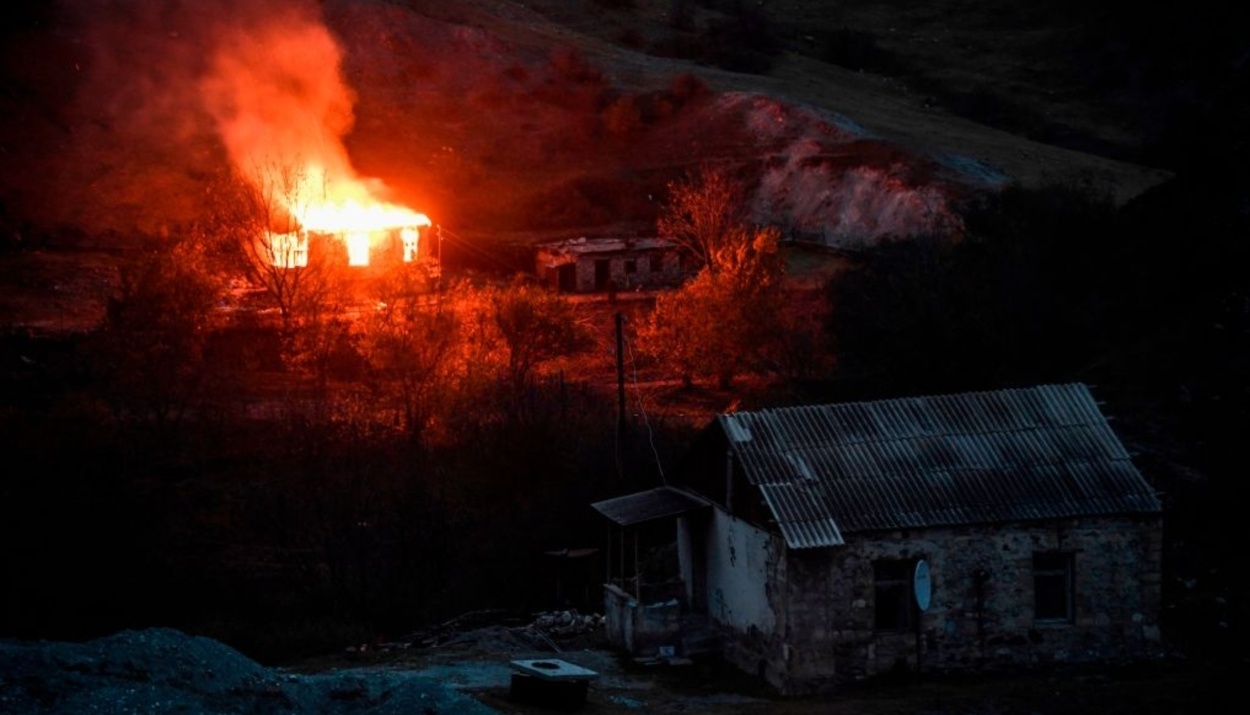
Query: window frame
[1054, 580]
[893, 607]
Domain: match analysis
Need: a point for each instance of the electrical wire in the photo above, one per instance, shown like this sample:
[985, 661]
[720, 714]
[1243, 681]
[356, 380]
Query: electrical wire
[479, 251]
[642, 409]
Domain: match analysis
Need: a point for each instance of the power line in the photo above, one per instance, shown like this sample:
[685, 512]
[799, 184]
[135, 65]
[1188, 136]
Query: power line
[642, 409]
[476, 249]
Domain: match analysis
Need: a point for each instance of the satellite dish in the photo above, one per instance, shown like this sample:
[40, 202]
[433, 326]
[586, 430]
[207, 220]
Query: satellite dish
[922, 585]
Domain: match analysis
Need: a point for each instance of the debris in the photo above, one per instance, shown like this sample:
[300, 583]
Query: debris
[543, 631]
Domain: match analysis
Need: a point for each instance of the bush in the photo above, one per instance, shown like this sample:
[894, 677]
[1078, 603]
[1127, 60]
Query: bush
[622, 117]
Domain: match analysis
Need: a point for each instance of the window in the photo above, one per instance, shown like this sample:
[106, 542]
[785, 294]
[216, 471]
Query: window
[603, 273]
[288, 250]
[631, 265]
[1052, 586]
[893, 607]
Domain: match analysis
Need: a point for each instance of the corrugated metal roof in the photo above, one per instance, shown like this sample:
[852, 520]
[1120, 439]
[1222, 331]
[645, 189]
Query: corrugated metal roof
[658, 503]
[983, 457]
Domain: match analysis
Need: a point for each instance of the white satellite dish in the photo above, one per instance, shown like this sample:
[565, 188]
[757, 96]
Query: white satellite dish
[922, 585]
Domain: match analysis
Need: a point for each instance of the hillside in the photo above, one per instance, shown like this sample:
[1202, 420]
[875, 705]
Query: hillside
[501, 118]
[186, 462]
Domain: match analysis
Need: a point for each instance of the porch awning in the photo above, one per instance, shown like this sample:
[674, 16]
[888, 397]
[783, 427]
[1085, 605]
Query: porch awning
[651, 505]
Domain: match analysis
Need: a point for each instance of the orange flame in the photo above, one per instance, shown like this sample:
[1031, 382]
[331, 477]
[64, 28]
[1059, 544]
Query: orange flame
[277, 94]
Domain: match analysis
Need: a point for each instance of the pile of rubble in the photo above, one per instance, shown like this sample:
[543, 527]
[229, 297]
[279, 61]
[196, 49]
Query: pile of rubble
[567, 623]
[542, 632]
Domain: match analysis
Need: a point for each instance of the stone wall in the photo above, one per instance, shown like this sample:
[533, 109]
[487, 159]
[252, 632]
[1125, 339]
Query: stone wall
[820, 627]
[982, 612]
[651, 269]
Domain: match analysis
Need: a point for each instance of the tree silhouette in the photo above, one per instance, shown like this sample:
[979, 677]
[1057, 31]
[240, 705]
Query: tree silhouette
[299, 270]
[151, 350]
[726, 322]
[535, 326]
[704, 214]
[408, 341]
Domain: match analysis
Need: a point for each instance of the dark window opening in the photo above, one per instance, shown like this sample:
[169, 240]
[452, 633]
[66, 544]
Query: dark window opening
[603, 273]
[631, 265]
[567, 278]
[1052, 586]
[892, 582]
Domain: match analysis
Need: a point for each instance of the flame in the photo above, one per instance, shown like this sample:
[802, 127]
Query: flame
[409, 236]
[357, 248]
[277, 94]
[346, 209]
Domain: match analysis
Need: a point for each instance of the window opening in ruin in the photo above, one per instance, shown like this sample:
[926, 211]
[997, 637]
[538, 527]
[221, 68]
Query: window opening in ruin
[893, 607]
[1052, 586]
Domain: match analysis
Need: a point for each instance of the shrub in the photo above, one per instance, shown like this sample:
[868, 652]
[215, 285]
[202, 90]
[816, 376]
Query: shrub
[622, 117]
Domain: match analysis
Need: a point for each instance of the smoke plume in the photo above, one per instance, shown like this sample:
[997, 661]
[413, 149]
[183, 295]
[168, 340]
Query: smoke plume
[171, 85]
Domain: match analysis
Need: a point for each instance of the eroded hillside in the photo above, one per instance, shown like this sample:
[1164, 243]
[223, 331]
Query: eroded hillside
[498, 118]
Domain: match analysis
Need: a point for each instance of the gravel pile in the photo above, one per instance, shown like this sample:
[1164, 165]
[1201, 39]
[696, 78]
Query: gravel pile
[166, 671]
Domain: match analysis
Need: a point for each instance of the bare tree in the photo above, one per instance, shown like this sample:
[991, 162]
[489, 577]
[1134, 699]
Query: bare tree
[704, 213]
[408, 342]
[151, 350]
[300, 270]
[536, 327]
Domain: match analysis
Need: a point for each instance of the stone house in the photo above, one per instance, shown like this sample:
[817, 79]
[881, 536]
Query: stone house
[800, 531]
[583, 265]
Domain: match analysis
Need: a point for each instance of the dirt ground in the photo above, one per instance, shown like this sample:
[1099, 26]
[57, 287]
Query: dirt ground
[477, 663]
[166, 671]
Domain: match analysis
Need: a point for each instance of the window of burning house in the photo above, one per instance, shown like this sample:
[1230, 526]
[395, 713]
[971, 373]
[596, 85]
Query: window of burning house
[288, 250]
[892, 582]
[408, 236]
[1052, 586]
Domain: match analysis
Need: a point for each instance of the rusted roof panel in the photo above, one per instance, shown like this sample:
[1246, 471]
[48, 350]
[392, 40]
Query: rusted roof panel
[984, 457]
[653, 504]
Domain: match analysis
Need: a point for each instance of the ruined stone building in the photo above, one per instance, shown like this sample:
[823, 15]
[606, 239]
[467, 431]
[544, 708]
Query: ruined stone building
[799, 531]
[583, 265]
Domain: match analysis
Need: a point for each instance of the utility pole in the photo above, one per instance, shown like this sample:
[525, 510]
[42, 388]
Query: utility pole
[438, 285]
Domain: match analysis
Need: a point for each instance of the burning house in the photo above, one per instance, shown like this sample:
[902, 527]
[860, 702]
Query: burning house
[361, 247]
[959, 532]
[278, 98]
[583, 265]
